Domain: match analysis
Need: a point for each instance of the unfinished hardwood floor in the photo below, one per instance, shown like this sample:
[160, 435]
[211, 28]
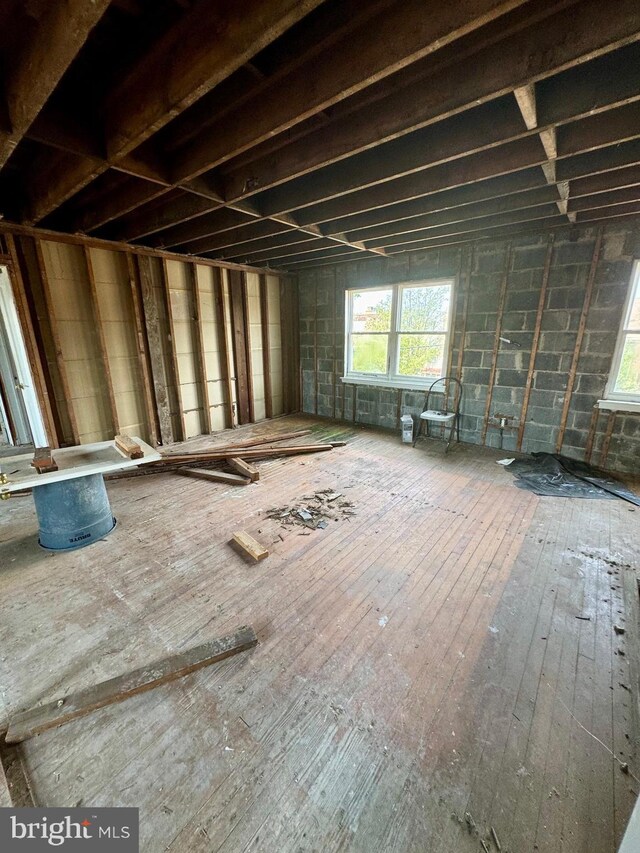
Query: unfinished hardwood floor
[440, 663]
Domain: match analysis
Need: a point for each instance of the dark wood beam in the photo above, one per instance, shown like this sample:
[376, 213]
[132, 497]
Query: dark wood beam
[42, 60]
[242, 236]
[249, 248]
[605, 199]
[594, 214]
[626, 176]
[169, 78]
[365, 55]
[531, 54]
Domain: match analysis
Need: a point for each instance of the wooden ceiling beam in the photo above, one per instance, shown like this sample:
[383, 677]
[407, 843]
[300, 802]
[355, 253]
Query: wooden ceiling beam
[48, 51]
[242, 235]
[533, 53]
[365, 55]
[168, 79]
[627, 176]
[605, 199]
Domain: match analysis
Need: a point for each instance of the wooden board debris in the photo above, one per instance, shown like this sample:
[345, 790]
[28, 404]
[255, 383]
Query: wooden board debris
[250, 442]
[43, 460]
[214, 476]
[60, 711]
[246, 469]
[250, 545]
[130, 448]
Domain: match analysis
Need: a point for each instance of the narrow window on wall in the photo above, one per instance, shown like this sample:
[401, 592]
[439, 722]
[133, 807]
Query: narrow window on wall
[624, 380]
[398, 335]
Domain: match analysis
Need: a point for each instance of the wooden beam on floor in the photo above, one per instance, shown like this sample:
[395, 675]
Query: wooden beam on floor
[249, 546]
[51, 715]
[246, 469]
[48, 50]
[214, 476]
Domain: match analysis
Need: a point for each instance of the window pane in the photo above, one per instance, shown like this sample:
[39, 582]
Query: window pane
[369, 353]
[425, 308]
[371, 311]
[628, 380]
[421, 355]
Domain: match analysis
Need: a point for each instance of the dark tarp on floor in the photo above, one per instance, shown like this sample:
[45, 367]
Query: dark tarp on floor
[552, 475]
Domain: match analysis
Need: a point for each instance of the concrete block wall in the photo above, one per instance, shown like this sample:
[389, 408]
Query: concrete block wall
[480, 270]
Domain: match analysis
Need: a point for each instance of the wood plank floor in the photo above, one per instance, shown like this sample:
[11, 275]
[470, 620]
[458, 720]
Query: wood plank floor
[447, 651]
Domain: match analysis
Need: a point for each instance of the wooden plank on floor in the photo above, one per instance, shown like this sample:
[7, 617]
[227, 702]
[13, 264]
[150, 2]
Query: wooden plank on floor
[214, 476]
[250, 546]
[60, 711]
[246, 469]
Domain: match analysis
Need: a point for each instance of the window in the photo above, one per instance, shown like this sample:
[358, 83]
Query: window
[624, 381]
[398, 335]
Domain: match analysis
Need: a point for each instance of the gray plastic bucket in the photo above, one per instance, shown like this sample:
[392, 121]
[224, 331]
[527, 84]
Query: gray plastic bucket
[73, 513]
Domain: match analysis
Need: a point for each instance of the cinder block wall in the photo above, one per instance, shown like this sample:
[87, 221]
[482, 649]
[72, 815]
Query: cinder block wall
[481, 272]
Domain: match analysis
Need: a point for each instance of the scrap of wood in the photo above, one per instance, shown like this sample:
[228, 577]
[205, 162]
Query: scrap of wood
[250, 546]
[60, 711]
[43, 460]
[130, 448]
[214, 476]
[15, 787]
[244, 468]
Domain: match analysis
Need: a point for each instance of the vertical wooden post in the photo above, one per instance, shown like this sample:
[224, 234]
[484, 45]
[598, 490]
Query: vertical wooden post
[333, 307]
[247, 342]
[152, 325]
[62, 367]
[266, 345]
[535, 341]
[496, 343]
[295, 358]
[236, 296]
[102, 341]
[315, 343]
[466, 288]
[172, 349]
[578, 347]
[199, 343]
[221, 317]
[35, 362]
[143, 353]
[607, 439]
[588, 450]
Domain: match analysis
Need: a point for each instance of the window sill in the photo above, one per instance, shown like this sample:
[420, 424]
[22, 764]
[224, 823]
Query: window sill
[618, 405]
[405, 385]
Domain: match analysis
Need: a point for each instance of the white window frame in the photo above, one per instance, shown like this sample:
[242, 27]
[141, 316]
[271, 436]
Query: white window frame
[621, 397]
[391, 379]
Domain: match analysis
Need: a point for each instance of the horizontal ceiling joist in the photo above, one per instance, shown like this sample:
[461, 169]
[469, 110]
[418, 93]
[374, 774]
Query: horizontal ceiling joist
[179, 70]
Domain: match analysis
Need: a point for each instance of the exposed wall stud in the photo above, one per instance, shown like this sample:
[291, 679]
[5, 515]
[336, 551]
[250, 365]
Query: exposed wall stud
[226, 361]
[236, 295]
[102, 341]
[62, 367]
[152, 326]
[192, 272]
[266, 344]
[143, 352]
[534, 343]
[580, 335]
[496, 343]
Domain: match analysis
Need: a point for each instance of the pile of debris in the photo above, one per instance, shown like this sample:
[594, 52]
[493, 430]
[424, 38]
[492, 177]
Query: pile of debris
[314, 511]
